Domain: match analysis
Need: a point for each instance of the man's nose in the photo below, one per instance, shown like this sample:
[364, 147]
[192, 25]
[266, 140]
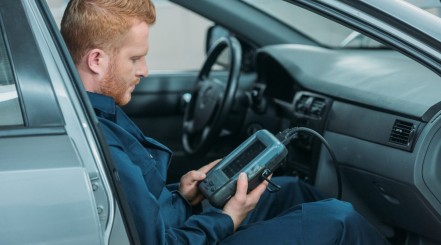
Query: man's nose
[143, 70]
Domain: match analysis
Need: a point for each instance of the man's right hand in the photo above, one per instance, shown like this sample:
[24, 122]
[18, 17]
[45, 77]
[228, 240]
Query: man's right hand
[188, 185]
[242, 202]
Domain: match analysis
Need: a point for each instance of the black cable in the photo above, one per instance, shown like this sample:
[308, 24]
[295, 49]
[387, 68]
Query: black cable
[288, 134]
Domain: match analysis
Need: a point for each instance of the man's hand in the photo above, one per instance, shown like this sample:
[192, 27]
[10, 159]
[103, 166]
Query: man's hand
[188, 184]
[242, 203]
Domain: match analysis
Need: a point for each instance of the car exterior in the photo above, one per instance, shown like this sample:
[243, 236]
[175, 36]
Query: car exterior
[370, 87]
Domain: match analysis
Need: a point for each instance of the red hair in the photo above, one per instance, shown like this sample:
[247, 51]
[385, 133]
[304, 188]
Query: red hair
[89, 24]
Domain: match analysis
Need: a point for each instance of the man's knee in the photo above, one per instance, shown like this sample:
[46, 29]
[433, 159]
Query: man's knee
[286, 181]
[293, 187]
[341, 223]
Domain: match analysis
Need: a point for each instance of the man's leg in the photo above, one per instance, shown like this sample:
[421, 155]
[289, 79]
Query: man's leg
[293, 192]
[322, 222]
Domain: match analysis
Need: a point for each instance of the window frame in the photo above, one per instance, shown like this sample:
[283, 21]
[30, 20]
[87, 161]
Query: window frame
[30, 75]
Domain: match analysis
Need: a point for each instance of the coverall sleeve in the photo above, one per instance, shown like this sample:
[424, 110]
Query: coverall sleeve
[204, 228]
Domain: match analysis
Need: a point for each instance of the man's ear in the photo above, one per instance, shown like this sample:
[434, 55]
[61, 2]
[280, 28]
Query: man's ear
[97, 61]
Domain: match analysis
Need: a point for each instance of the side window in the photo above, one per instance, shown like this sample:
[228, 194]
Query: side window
[177, 39]
[10, 111]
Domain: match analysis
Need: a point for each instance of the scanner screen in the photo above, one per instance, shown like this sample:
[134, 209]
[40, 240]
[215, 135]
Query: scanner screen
[243, 159]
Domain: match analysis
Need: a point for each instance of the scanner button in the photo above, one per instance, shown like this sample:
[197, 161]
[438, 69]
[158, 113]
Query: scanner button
[211, 183]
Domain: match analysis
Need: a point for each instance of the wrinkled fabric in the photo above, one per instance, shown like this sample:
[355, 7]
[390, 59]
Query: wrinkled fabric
[297, 214]
[161, 216]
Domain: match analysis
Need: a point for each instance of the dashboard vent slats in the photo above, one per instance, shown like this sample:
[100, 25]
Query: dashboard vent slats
[310, 106]
[302, 104]
[402, 133]
[317, 107]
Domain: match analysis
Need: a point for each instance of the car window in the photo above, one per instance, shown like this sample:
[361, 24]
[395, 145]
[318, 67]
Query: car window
[10, 110]
[323, 30]
[431, 6]
[177, 39]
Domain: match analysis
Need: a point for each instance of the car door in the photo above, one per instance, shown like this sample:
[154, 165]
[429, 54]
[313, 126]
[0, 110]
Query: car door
[55, 184]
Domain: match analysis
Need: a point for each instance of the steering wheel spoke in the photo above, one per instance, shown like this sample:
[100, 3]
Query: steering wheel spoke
[189, 127]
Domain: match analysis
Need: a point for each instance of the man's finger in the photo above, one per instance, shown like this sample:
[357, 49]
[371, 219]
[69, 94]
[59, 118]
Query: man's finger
[242, 185]
[209, 166]
[192, 177]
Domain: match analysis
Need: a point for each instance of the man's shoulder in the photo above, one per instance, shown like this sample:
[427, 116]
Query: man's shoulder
[112, 132]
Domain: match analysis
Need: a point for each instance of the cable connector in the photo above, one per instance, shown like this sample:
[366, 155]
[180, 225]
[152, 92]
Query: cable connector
[272, 187]
[286, 135]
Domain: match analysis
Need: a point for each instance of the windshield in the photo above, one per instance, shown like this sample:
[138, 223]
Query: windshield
[325, 31]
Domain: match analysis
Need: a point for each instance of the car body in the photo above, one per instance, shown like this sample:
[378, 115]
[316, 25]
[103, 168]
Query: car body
[373, 94]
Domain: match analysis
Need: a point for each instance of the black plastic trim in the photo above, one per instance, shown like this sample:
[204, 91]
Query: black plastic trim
[6, 132]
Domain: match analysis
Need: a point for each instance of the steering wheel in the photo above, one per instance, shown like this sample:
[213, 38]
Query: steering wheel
[211, 99]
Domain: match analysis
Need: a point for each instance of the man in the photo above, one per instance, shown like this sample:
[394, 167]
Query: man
[108, 40]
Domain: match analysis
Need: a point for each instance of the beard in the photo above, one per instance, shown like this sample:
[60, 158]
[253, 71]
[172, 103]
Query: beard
[117, 87]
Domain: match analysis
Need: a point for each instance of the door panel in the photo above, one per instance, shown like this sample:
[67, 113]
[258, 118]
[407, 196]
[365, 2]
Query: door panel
[45, 190]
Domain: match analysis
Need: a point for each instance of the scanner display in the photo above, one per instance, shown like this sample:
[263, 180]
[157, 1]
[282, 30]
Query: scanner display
[243, 159]
[257, 157]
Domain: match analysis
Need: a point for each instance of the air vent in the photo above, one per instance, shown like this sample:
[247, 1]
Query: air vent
[402, 133]
[317, 107]
[308, 105]
[302, 104]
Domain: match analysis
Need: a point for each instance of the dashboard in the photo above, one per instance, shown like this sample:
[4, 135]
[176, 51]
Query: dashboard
[379, 111]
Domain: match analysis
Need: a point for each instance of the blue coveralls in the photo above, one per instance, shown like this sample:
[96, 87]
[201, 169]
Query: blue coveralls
[162, 216]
